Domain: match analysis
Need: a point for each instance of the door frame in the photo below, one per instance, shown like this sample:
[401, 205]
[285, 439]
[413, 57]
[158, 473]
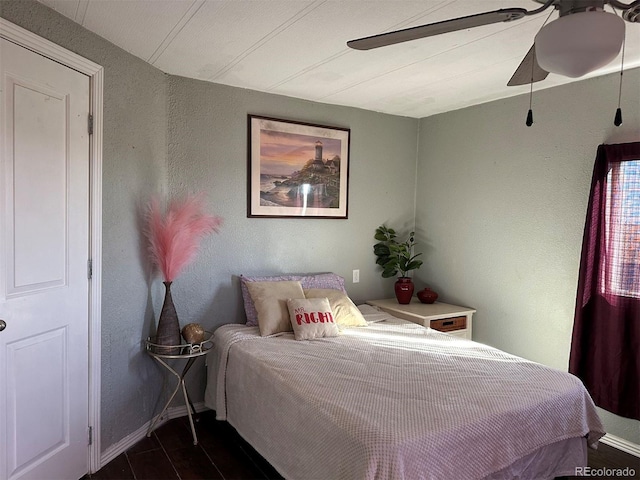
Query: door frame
[95, 72]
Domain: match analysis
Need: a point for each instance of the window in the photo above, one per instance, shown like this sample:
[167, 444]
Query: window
[605, 346]
[620, 268]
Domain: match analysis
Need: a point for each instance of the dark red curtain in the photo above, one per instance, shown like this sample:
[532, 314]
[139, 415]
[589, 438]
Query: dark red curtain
[605, 347]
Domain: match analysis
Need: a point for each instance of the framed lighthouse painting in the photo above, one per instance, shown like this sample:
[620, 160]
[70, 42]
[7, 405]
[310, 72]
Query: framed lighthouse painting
[297, 169]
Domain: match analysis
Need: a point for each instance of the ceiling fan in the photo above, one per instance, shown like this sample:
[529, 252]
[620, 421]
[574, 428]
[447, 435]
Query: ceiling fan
[583, 38]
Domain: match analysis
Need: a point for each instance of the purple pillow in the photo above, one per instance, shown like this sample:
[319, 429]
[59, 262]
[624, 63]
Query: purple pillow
[319, 280]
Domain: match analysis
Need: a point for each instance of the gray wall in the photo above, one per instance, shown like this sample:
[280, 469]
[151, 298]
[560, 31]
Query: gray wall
[203, 127]
[500, 212]
[208, 153]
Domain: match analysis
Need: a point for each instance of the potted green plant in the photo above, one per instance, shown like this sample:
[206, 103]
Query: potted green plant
[396, 257]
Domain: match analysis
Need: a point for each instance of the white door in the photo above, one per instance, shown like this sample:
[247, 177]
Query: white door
[44, 248]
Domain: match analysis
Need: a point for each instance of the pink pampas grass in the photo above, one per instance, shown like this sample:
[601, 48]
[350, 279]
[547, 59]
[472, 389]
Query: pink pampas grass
[174, 238]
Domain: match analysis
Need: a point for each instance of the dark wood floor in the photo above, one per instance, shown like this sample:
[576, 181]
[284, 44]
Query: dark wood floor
[222, 454]
[170, 454]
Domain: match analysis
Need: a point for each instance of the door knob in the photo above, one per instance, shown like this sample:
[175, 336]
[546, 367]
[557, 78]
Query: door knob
[3, 325]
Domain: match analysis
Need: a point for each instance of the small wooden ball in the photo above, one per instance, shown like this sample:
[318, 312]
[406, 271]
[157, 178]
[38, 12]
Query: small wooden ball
[193, 333]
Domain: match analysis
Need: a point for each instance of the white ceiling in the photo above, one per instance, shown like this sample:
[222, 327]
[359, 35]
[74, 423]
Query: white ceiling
[298, 48]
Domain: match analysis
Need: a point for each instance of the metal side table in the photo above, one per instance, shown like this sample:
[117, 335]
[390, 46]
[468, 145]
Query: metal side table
[189, 352]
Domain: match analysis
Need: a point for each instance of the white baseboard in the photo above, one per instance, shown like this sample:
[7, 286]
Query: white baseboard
[621, 444]
[130, 440]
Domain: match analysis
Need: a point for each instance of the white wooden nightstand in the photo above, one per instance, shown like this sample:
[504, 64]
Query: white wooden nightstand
[451, 319]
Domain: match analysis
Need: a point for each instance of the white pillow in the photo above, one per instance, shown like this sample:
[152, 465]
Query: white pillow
[270, 300]
[345, 312]
[313, 280]
[312, 318]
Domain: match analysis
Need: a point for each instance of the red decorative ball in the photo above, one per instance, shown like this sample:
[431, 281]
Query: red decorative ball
[427, 296]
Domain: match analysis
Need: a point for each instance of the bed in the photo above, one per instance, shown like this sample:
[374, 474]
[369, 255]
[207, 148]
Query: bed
[395, 400]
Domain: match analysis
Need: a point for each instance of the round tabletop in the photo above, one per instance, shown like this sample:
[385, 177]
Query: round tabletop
[185, 350]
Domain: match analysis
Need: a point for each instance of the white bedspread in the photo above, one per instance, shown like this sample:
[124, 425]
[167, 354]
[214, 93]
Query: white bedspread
[392, 400]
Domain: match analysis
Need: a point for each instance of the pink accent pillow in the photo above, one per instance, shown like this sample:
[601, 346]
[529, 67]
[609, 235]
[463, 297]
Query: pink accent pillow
[311, 318]
[319, 280]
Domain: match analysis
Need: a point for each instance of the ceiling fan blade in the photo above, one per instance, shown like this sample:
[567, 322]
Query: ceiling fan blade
[455, 24]
[528, 71]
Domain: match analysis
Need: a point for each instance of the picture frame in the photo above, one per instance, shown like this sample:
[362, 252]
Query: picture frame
[297, 169]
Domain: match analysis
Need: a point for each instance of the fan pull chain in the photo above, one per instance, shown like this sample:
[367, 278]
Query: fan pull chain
[617, 121]
[529, 121]
[530, 112]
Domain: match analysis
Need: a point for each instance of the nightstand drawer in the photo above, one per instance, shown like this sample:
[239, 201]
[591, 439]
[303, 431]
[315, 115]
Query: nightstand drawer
[449, 324]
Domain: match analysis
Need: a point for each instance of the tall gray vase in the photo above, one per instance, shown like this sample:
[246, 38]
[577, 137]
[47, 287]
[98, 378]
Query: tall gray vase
[168, 327]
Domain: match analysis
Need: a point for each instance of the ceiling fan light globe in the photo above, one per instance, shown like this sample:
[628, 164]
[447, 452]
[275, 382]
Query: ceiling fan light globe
[579, 43]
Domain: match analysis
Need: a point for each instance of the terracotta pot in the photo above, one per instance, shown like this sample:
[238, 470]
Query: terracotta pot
[427, 295]
[404, 290]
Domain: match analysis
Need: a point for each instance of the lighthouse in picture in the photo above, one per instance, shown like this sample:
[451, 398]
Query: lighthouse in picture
[318, 164]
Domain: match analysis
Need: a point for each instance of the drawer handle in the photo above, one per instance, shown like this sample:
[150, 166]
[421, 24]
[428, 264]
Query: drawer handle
[450, 322]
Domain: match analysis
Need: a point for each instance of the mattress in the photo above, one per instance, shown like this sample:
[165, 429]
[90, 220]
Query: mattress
[395, 400]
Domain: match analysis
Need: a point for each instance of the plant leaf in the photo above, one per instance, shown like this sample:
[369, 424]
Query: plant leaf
[413, 265]
[380, 249]
[389, 273]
